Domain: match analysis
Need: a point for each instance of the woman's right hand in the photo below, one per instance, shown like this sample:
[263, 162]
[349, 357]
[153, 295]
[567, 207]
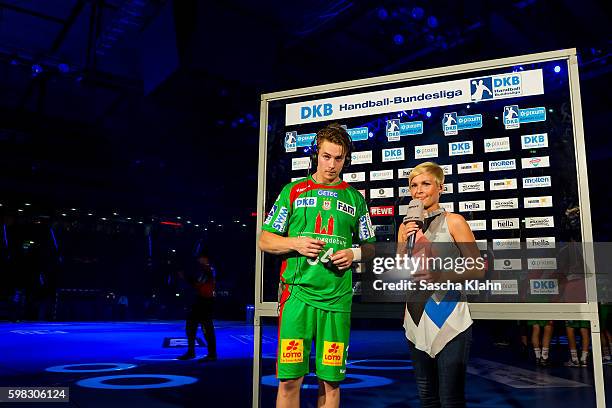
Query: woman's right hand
[407, 229]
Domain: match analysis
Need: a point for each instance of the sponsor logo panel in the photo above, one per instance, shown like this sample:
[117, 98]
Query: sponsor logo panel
[502, 184]
[354, 177]
[466, 168]
[544, 286]
[426, 151]
[498, 144]
[505, 223]
[504, 204]
[539, 222]
[508, 264]
[500, 165]
[381, 175]
[381, 192]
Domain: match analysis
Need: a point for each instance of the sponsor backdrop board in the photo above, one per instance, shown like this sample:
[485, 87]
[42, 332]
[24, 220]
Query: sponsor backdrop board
[509, 136]
[505, 138]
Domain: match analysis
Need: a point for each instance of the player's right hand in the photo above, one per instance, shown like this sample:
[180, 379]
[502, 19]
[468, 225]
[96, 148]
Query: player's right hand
[309, 247]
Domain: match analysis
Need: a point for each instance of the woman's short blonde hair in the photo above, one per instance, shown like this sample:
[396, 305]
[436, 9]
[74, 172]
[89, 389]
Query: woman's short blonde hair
[427, 167]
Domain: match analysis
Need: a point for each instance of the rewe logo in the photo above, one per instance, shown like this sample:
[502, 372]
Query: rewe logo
[383, 211]
[316, 111]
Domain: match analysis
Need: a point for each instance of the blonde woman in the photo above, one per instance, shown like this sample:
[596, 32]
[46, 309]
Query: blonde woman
[438, 322]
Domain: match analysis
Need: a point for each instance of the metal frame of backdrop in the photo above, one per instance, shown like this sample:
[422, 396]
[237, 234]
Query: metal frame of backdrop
[494, 311]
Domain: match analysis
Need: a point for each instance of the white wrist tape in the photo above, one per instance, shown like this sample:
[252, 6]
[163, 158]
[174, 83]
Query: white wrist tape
[356, 254]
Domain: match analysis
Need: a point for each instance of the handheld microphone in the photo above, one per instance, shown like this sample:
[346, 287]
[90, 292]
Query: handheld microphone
[414, 214]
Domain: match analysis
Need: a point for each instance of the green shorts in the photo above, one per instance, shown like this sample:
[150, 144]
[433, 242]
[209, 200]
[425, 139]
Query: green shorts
[578, 324]
[541, 323]
[299, 325]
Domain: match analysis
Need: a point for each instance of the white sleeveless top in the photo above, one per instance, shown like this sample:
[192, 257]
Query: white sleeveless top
[446, 313]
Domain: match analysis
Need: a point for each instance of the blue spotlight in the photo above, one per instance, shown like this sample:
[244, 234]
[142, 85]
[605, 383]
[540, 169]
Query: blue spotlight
[382, 13]
[432, 21]
[63, 68]
[417, 13]
[36, 69]
[557, 69]
[428, 114]
[398, 39]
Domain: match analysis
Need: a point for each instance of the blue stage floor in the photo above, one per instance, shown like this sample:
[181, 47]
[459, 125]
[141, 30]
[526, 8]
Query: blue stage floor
[380, 374]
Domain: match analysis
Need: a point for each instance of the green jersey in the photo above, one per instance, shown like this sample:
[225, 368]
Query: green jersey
[334, 213]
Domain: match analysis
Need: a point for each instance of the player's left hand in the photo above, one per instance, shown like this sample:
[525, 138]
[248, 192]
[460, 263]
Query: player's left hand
[342, 259]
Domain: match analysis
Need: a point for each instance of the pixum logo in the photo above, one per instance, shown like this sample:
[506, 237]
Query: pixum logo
[499, 144]
[502, 244]
[477, 225]
[364, 157]
[425, 151]
[381, 175]
[542, 263]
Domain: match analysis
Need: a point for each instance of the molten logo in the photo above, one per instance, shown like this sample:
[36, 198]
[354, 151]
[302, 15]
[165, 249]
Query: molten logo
[333, 353]
[292, 351]
[325, 231]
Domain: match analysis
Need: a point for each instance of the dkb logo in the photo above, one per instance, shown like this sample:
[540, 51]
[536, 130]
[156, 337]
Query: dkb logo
[316, 111]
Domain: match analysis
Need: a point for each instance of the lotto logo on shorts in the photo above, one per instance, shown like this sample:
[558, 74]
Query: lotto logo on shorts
[292, 351]
[333, 352]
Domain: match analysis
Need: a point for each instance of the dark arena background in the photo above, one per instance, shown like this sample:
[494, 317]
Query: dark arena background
[129, 139]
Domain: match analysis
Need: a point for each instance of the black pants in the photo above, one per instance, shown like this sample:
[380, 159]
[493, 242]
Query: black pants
[201, 313]
[441, 379]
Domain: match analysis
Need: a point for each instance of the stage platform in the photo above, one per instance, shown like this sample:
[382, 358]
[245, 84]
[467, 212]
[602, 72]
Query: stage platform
[133, 364]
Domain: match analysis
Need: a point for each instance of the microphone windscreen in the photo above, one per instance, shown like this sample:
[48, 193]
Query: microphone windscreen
[415, 212]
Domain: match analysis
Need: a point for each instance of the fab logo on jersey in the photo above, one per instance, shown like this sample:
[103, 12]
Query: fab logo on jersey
[292, 351]
[333, 353]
